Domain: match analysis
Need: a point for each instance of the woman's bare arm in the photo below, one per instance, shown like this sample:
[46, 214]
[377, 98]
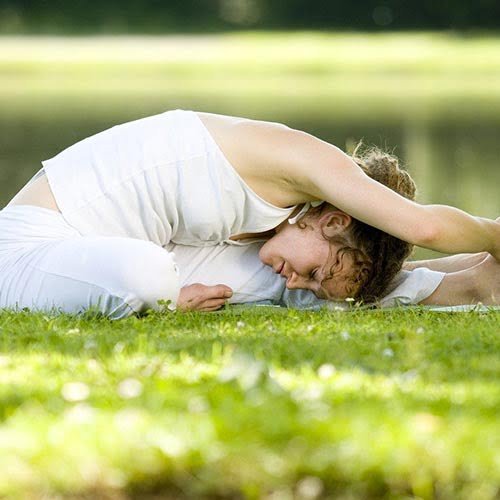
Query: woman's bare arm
[322, 171]
[449, 264]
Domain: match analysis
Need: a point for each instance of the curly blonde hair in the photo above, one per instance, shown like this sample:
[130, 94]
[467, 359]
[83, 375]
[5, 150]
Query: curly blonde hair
[376, 256]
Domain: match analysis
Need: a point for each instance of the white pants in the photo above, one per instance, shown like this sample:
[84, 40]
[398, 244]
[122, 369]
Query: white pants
[240, 268]
[47, 265]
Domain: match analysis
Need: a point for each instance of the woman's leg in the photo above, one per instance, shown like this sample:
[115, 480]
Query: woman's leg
[117, 276]
[479, 283]
[448, 264]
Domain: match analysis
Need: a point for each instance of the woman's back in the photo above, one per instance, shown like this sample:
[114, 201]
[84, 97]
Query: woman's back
[161, 178]
[37, 192]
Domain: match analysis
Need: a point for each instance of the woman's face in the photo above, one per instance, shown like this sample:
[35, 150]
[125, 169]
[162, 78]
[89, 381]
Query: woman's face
[305, 258]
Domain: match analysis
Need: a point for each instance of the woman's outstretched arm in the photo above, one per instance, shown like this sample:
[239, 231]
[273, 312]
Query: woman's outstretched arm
[322, 171]
[448, 264]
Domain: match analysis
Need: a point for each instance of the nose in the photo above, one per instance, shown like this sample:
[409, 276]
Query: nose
[293, 282]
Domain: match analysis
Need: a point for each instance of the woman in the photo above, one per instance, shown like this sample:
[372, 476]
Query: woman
[469, 280]
[200, 179]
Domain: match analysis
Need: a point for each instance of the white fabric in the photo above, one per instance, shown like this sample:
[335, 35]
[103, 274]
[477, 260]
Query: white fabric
[46, 264]
[411, 287]
[162, 178]
[238, 267]
[128, 194]
[304, 210]
[241, 269]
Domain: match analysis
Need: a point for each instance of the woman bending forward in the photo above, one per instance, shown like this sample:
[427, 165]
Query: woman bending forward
[118, 198]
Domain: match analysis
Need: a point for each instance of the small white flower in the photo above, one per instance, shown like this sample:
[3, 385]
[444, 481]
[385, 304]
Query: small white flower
[169, 443]
[81, 413]
[129, 388]
[93, 365]
[128, 419]
[90, 344]
[388, 353]
[345, 335]
[409, 376]
[326, 371]
[425, 423]
[75, 391]
[313, 392]
[240, 324]
[349, 299]
[119, 347]
[420, 330]
[310, 487]
[309, 328]
[73, 331]
[197, 404]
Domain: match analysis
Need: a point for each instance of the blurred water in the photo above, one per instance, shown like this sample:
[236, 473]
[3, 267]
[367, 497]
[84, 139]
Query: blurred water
[454, 160]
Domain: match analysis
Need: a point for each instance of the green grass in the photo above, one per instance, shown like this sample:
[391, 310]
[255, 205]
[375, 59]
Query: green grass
[260, 403]
[348, 76]
[251, 403]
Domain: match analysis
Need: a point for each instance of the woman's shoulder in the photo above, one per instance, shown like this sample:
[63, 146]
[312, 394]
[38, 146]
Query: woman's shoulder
[237, 134]
[220, 120]
[258, 151]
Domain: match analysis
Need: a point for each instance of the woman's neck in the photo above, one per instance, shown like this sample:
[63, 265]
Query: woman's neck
[244, 236]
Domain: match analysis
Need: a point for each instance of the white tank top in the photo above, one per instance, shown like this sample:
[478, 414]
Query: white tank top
[162, 178]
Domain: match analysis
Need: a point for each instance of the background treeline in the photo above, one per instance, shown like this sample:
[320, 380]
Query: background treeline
[170, 16]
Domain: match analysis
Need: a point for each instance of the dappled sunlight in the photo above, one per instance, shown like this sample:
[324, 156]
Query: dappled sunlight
[200, 403]
[257, 402]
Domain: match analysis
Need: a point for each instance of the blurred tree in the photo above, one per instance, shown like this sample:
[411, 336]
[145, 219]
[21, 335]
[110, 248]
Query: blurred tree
[160, 16]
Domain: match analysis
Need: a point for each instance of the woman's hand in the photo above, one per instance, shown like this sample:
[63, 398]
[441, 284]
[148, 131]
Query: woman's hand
[198, 297]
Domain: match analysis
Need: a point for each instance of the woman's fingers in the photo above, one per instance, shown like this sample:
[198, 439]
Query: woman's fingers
[218, 291]
[197, 297]
[222, 294]
[210, 309]
[213, 303]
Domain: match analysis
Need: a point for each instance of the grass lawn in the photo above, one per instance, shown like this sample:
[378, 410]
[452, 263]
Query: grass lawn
[347, 76]
[251, 403]
[263, 402]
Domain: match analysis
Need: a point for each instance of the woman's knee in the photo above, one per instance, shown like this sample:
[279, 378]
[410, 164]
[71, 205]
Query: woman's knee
[135, 271]
[144, 274]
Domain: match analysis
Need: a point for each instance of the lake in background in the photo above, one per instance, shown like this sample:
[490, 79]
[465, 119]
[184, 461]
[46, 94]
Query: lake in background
[447, 133]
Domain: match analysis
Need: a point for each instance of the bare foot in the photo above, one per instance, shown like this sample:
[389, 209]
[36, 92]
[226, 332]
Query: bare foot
[479, 283]
[486, 279]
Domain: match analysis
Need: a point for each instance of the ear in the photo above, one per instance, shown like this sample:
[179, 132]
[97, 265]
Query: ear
[334, 222]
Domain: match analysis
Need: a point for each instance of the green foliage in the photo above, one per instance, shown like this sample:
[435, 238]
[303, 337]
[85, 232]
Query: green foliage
[405, 79]
[251, 403]
[153, 16]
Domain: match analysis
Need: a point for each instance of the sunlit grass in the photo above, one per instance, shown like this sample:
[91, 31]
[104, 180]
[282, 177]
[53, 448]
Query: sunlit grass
[258, 403]
[311, 52]
[261, 403]
[427, 73]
